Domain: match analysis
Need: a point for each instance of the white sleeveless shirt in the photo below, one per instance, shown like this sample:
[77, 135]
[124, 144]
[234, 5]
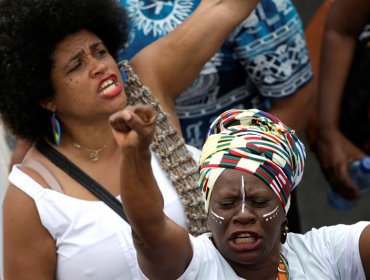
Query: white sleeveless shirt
[92, 241]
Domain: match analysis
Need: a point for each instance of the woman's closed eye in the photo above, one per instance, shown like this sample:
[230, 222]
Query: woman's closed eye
[227, 204]
[259, 203]
[76, 66]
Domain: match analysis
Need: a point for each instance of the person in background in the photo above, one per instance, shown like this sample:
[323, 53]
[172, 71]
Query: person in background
[264, 63]
[355, 121]
[248, 167]
[338, 89]
[60, 82]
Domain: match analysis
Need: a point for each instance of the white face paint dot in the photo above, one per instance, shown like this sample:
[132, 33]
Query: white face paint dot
[216, 218]
[272, 214]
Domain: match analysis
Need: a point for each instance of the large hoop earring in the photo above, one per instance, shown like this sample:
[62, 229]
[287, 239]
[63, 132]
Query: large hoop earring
[284, 232]
[57, 135]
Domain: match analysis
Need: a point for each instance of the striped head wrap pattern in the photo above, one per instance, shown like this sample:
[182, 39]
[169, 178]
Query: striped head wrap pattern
[255, 142]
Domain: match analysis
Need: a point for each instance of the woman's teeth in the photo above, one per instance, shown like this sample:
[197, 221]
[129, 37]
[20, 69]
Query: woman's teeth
[244, 238]
[108, 86]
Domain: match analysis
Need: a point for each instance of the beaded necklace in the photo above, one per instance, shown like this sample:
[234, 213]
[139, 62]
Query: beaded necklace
[283, 269]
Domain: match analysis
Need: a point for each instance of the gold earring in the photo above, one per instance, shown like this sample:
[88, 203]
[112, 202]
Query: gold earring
[284, 232]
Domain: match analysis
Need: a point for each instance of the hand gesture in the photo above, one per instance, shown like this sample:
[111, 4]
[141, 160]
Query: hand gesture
[134, 126]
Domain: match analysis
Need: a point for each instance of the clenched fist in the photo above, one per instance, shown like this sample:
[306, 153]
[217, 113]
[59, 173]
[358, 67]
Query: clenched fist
[134, 126]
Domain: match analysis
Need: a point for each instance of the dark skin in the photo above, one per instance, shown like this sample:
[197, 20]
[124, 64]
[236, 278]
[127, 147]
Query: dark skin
[259, 200]
[364, 250]
[341, 32]
[133, 129]
[163, 247]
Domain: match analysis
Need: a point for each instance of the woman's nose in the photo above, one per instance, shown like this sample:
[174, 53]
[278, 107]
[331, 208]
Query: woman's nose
[98, 67]
[244, 214]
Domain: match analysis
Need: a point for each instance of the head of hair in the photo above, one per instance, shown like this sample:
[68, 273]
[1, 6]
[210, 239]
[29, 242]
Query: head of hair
[30, 30]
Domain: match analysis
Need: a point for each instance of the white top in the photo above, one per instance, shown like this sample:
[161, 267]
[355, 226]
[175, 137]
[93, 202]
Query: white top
[92, 241]
[325, 253]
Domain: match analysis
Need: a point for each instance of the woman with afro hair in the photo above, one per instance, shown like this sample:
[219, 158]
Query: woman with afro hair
[59, 85]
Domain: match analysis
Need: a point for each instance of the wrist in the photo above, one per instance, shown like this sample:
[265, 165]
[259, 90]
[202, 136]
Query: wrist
[328, 132]
[136, 154]
[228, 12]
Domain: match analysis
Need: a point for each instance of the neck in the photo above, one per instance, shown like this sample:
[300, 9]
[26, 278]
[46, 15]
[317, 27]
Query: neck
[88, 144]
[90, 134]
[264, 269]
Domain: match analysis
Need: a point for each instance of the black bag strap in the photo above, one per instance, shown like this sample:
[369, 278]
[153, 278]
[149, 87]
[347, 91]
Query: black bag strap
[80, 176]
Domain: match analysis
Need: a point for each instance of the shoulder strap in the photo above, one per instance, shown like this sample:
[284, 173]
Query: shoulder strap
[46, 174]
[85, 180]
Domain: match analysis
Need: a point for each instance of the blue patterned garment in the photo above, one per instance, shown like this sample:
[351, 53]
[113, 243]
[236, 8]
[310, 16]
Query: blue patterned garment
[265, 57]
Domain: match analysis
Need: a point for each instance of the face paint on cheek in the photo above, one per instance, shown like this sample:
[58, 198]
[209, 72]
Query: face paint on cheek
[273, 214]
[242, 190]
[216, 218]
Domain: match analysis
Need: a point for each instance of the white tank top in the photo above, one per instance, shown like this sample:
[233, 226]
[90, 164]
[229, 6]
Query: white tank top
[92, 241]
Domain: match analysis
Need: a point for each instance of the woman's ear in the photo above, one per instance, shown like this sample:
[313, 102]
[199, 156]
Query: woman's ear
[48, 104]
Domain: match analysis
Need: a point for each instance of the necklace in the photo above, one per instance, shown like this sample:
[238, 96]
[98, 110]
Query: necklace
[283, 269]
[94, 155]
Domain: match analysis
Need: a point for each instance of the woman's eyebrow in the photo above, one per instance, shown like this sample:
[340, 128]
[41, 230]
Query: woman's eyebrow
[80, 53]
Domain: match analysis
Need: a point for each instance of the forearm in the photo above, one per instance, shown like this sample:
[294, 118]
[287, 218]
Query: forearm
[188, 47]
[198, 39]
[340, 38]
[142, 199]
[163, 247]
[335, 65]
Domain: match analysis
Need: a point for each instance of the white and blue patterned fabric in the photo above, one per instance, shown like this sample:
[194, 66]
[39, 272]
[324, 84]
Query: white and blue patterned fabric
[265, 57]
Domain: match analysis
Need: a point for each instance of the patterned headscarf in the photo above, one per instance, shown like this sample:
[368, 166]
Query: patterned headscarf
[255, 142]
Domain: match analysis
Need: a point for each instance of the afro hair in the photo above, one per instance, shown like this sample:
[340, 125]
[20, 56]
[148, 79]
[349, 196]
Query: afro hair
[29, 33]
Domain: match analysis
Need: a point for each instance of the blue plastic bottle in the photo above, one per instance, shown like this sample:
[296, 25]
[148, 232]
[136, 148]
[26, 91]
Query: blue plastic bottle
[359, 172]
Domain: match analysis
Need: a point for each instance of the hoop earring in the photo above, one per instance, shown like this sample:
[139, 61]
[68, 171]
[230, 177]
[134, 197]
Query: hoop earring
[284, 232]
[57, 135]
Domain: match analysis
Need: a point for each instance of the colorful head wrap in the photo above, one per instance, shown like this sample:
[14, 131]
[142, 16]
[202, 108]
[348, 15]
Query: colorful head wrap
[255, 142]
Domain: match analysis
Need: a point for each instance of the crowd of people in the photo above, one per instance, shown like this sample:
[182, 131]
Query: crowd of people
[129, 109]
[264, 63]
